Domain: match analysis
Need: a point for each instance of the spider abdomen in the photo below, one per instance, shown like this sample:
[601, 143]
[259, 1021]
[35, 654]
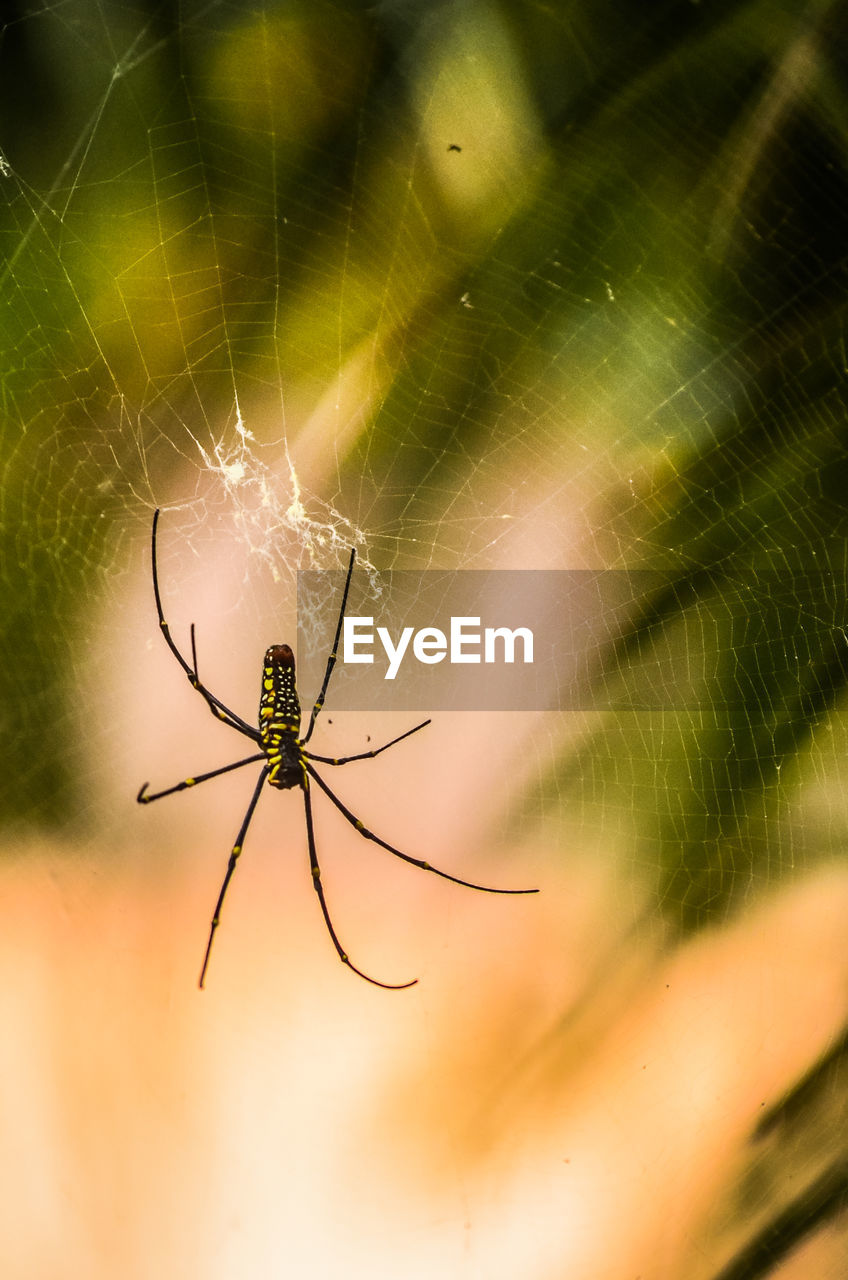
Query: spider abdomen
[279, 719]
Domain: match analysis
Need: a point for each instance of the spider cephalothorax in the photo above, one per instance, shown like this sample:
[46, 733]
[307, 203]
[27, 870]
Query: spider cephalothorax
[286, 763]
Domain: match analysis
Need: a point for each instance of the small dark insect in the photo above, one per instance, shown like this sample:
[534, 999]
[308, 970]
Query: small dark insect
[454, 147]
[285, 761]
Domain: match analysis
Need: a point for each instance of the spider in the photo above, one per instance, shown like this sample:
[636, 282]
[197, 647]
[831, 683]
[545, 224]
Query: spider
[286, 763]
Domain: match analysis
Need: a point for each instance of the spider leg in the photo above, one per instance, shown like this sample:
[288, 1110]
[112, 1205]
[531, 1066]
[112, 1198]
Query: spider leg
[368, 755]
[319, 889]
[216, 706]
[142, 798]
[416, 862]
[334, 653]
[231, 866]
[223, 713]
[194, 654]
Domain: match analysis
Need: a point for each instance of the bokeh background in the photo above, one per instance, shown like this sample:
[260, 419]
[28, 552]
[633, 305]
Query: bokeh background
[466, 285]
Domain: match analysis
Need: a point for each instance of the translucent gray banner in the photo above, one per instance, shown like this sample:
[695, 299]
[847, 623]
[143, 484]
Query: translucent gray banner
[568, 640]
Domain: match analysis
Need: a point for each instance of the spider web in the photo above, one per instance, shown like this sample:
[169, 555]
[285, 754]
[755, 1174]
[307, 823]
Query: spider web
[466, 286]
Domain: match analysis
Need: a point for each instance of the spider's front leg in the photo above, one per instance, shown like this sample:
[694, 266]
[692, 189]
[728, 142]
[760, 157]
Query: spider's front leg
[334, 653]
[219, 709]
[367, 755]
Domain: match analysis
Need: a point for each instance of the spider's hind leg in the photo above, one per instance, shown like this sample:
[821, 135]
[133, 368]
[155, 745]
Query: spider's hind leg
[319, 889]
[405, 857]
[235, 854]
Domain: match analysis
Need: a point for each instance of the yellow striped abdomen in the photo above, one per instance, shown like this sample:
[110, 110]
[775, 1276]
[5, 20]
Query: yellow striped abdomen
[279, 719]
